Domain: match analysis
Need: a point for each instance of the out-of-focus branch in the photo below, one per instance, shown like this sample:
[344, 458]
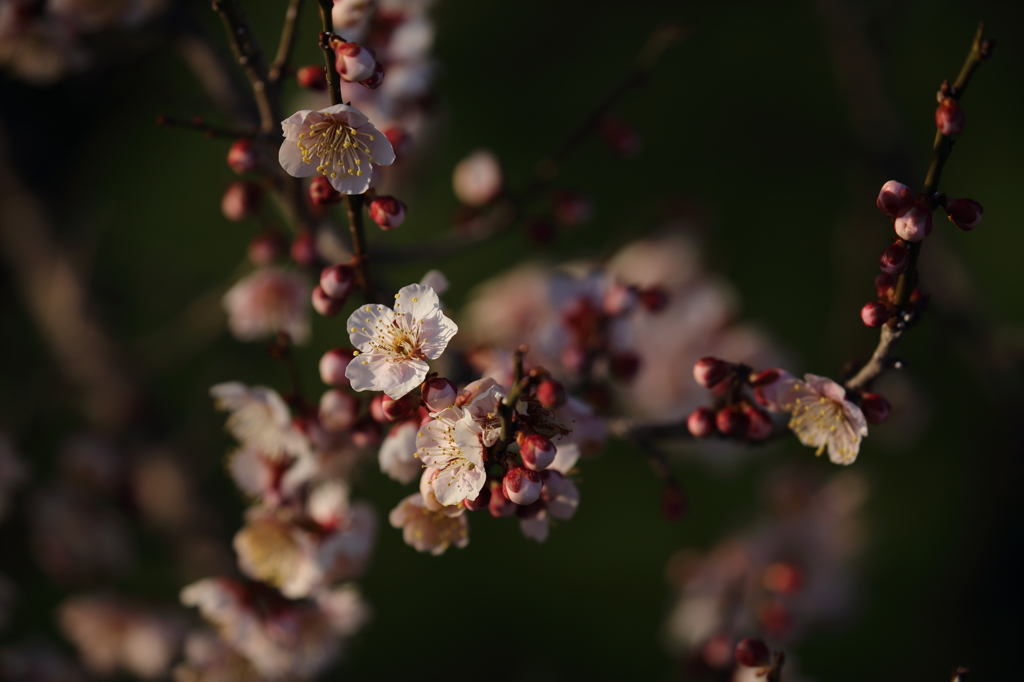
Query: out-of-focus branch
[284, 48]
[250, 57]
[198, 123]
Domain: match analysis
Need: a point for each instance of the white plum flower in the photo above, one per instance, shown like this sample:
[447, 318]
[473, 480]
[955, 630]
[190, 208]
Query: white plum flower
[821, 416]
[394, 345]
[426, 530]
[338, 142]
[268, 301]
[261, 420]
[452, 445]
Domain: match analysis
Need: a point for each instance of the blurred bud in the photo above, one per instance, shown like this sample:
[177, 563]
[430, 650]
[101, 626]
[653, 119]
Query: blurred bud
[731, 421]
[338, 410]
[876, 409]
[915, 223]
[337, 280]
[708, 371]
[783, 578]
[353, 61]
[551, 393]
[367, 433]
[759, 423]
[701, 422]
[242, 156]
[522, 485]
[894, 198]
[895, 259]
[752, 653]
[388, 212]
[400, 141]
[624, 366]
[537, 451]
[765, 377]
[385, 409]
[332, 366]
[619, 299]
[965, 213]
[572, 209]
[324, 304]
[775, 618]
[500, 506]
[885, 285]
[439, 393]
[374, 81]
[874, 314]
[303, 249]
[949, 117]
[477, 178]
[322, 193]
[654, 299]
[241, 200]
[621, 137]
[267, 246]
[481, 501]
[312, 77]
[574, 357]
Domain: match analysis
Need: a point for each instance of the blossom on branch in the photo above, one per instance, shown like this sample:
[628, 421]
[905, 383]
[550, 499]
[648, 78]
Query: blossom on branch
[261, 420]
[338, 142]
[268, 301]
[452, 445]
[821, 416]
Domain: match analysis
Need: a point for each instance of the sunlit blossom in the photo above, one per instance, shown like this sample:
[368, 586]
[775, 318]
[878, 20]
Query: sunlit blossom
[426, 530]
[451, 445]
[821, 416]
[260, 419]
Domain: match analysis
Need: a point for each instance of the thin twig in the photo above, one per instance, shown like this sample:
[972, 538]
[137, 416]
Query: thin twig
[361, 259]
[333, 78]
[199, 124]
[250, 57]
[284, 48]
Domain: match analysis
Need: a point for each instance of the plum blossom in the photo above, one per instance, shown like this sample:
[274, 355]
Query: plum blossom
[559, 499]
[820, 415]
[398, 452]
[395, 344]
[451, 445]
[260, 419]
[429, 531]
[268, 301]
[338, 142]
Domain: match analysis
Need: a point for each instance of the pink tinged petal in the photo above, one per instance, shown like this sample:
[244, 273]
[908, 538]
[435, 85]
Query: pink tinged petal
[826, 387]
[350, 184]
[418, 300]
[380, 147]
[566, 456]
[535, 528]
[343, 113]
[565, 499]
[843, 445]
[365, 325]
[295, 124]
[435, 334]
[292, 161]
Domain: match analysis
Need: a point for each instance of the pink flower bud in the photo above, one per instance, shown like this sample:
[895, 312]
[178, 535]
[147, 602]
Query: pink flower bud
[876, 409]
[385, 409]
[312, 77]
[965, 213]
[374, 81]
[500, 506]
[388, 212]
[894, 198]
[477, 178]
[400, 141]
[267, 246]
[731, 421]
[353, 61]
[537, 451]
[621, 137]
[752, 653]
[322, 193]
[481, 501]
[759, 424]
[915, 223]
[337, 280]
[783, 578]
[367, 434]
[874, 314]
[885, 286]
[303, 249]
[439, 393]
[654, 299]
[338, 410]
[765, 377]
[242, 156]
[551, 393]
[708, 371]
[324, 304]
[332, 366]
[701, 422]
[895, 259]
[624, 366]
[521, 485]
[949, 117]
[241, 200]
[572, 209]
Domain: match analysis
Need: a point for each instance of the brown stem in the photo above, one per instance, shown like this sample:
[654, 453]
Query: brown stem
[354, 205]
[333, 78]
[507, 408]
[198, 123]
[774, 673]
[892, 333]
[250, 57]
[284, 48]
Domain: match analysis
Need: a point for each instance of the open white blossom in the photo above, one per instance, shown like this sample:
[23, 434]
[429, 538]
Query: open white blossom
[260, 420]
[821, 416]
[395, 344]
[338, 142]
[451, 444]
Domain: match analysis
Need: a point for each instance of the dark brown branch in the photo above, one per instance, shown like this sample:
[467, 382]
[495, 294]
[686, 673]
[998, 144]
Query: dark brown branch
[287, 44]
[199, 124]
[250, 57]
[360, 258]
[333, 77]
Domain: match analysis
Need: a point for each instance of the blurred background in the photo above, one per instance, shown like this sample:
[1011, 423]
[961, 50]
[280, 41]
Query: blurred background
[769, 129]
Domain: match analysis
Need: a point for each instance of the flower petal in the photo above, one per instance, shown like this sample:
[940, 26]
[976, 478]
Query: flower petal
[381, 151]
[365, 325]
[292, 161]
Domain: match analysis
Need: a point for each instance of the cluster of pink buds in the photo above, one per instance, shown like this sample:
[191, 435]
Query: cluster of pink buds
[735, 413]
[387, 211]
[911, 215]
[356, 63]
[336, 282]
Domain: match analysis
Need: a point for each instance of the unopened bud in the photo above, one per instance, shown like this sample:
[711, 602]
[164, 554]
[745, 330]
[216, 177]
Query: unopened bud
[374, 81]
[388, 212]
[324, 304]
[537, 451]
[885, 285]
[759, 424]
[400, 141]
[551, 393]
[783, 578]
[481, 501]
[367, 433]
[332, 366]
[895, 259]
[322, 193]
[572, 209]
[312, 77]
[624, 366]
[267, 246]
[385, 409]
[708, 371]
[439, 393]
[500, 506]
[521, 485]
[752, 653]
[915, 223]
[874, 314]
[303, 249]
[894, 198]
[242, 156]
[477, 178]
[949, 117]
[731, 421]
[765, 377]
[621, 137]
[654, 299]
[353, 61]
[338, 410]
[241, 200]
[337, 280]
[701, 422]
[876, 409]
[965, 213]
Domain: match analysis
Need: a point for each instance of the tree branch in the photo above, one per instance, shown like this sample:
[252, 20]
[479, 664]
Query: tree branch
[284, 48]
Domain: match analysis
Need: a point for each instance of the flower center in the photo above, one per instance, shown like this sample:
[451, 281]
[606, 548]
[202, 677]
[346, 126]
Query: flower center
[337, 146]
[816, 416]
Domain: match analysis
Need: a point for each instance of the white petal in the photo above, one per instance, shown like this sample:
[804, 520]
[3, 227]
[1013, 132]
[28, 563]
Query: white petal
[380, 146]
[352, 116]
[535, 528]
[418, 300]
[295, 124]
[291, 160]
[366, 323]
[350, 184]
